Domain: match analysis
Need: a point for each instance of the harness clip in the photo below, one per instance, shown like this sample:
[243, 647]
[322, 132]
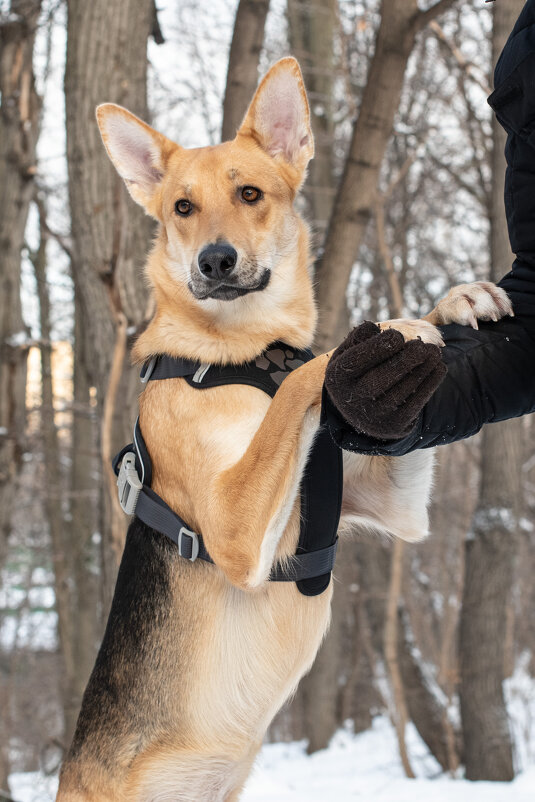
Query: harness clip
[148, 368]
[194, 543]
[128, 484]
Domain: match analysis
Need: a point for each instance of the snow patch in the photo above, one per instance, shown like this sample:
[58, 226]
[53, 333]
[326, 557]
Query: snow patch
[502, 517]
[366, 768]
[355, 768]
[520, 698]
[19, 339]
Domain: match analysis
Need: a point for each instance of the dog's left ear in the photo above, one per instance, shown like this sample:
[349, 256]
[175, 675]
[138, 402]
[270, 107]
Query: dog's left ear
[279, 116]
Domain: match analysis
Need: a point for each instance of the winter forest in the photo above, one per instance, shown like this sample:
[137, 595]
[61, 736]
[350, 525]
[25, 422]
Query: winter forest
[431, 650]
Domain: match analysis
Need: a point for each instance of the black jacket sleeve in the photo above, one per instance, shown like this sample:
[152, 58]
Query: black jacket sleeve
[491, 372]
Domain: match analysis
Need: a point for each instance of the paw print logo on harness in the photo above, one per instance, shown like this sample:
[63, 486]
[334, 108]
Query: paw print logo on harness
[278, 363]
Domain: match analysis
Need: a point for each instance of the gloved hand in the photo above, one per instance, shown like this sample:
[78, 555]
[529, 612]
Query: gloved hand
[379, 382]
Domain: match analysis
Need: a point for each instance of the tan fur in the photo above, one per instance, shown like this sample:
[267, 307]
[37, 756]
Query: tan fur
[228, 647]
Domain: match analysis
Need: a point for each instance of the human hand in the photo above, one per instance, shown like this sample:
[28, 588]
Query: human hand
[380, 382]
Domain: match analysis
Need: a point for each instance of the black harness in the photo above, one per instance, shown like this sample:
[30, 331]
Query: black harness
[321, 488]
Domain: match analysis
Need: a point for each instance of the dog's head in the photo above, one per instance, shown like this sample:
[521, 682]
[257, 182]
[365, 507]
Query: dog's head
[228, 226]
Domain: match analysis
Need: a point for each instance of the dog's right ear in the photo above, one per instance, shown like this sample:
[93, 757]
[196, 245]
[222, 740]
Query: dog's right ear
[278, 118]
[138, 152]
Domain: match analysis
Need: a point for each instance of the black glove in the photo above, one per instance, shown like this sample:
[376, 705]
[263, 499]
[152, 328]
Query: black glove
[379, 382]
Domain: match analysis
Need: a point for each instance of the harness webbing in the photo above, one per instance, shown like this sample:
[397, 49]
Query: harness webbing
[321, 488]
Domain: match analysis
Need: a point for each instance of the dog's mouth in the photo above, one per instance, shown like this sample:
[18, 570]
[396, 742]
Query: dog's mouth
[227, 290]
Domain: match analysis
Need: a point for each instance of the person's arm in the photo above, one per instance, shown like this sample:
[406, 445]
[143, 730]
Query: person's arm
[491, 372]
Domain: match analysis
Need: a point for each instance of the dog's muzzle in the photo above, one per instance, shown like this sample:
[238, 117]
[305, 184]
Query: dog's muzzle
[219, 277]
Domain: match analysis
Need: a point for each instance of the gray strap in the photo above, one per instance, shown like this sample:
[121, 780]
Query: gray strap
[305, 566]
[153, 511]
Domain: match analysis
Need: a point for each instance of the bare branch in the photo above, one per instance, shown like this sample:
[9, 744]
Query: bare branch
[466, 66]
[156, 31]
[396, 297]
[423, 18]
[475, 190]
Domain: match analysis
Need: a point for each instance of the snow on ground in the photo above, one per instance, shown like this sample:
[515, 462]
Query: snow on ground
[367, 768]
[520, 699]
[363, 767]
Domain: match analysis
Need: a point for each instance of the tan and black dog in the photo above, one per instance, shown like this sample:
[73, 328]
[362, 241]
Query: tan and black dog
[198, 658]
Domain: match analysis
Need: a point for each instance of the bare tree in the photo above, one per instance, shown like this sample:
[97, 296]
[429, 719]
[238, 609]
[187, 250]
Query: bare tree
[74, 590]
[491, 545]
[106, 61]
[83, 492]
[312, 28]
[244, 57]
[19, 131]
[53, 495]
[401, 21]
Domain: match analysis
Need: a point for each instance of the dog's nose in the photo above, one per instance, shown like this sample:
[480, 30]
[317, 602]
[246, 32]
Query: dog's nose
[217, 261]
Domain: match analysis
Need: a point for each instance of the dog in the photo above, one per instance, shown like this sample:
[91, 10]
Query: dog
[198, 658]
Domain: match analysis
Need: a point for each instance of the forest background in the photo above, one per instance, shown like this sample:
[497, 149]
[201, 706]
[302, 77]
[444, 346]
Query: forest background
[405, 199]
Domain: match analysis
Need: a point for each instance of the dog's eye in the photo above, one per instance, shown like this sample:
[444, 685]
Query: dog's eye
[251, 194]
[183, 207]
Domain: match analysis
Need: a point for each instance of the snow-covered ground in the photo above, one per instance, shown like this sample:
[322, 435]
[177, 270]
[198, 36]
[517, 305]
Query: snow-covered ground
[367, 768]
[363, 767]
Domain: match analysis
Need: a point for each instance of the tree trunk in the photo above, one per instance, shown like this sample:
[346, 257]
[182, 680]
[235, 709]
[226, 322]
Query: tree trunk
[84, 522]
[425, 707]
[106, 61]
[312, 28]
[244, 57]
[323, 694]
[19, 130]
[401, 20]
[399, 713]
[53, 490]
[491, 545]
[322, 691]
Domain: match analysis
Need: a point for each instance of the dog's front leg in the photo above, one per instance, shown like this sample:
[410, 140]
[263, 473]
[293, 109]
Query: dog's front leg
[251, 502]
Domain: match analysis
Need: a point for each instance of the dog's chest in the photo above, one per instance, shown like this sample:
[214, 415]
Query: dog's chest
[192, 435]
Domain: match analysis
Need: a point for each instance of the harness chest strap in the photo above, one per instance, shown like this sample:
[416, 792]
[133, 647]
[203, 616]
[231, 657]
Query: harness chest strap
[321, 488]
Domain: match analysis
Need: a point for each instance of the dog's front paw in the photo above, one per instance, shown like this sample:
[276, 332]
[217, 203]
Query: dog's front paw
[468, 303]
[415, 330]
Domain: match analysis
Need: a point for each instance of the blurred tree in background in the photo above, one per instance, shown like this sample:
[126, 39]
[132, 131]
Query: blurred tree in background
[405, 199]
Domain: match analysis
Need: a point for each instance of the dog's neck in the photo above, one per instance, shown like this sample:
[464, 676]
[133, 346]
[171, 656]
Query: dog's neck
[230, 331]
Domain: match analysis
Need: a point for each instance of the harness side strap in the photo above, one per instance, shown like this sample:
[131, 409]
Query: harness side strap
[153, 511]
[305, 566]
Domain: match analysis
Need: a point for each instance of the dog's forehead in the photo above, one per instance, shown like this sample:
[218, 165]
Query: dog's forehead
[219, 167]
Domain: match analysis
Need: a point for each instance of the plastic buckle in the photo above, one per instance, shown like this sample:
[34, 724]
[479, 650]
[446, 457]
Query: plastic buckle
[194, 543]
[148, 370]
[128, 484]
